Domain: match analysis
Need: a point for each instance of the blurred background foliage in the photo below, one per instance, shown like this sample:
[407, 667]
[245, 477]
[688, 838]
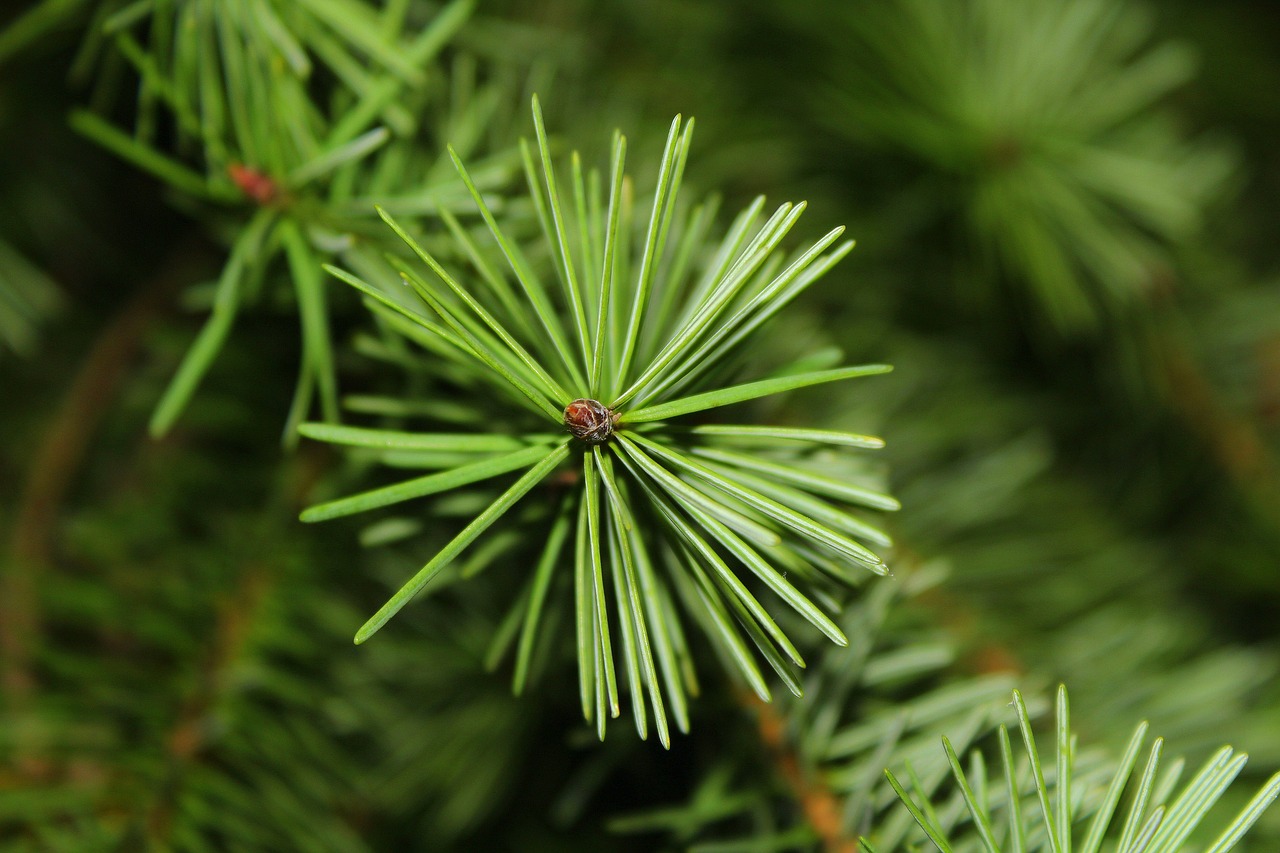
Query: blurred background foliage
[1065, 214]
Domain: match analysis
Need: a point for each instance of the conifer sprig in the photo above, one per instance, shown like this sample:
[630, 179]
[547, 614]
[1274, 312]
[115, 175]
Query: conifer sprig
[590, 371]
[1030, 809]
[295, 117]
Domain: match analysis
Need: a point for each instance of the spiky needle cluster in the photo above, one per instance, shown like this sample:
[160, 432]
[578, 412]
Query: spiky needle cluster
[660, 511]
[1048, 817]
[1040, 123]
[299, 115]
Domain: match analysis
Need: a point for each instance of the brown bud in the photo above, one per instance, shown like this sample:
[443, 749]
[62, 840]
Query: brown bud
[254, 183]
[590, 420]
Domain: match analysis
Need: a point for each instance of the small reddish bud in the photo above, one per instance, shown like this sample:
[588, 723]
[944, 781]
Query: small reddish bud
[255, 184]
[590, 420]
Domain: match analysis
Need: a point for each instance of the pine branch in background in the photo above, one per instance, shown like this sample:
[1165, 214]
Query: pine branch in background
[656, 331]
[1046, 564]
[218, 710]
[192, 685]
[290, 121]
[1035, 128]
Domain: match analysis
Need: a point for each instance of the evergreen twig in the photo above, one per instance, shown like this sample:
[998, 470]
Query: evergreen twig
[671, 500]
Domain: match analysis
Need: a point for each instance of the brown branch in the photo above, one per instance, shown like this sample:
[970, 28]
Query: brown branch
[819, 803]
[54, 466]
[1235, 441]
[186, 740]
[1268, 407]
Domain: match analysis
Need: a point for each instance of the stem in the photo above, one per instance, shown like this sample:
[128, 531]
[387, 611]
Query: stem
[54, 467]
[186, 740]
[1236, 442]
[822, 808]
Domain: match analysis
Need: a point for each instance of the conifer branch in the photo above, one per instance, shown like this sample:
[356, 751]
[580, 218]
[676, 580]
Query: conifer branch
[668, 517]
[56, 462]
